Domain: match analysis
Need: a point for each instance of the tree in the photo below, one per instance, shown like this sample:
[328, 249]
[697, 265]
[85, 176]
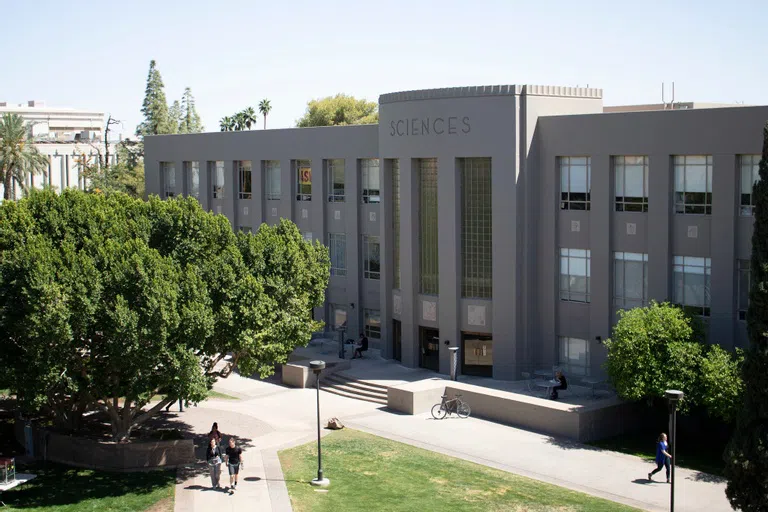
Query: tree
[227, 124]
[190, 120]
[175, 117]
[721, 386]
[19, 158]
[249, 118]
[106, 301]
[747, 454]
[339, 110]
[265, 107]
[155, 106]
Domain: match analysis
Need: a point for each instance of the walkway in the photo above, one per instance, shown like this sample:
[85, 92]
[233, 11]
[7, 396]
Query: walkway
[270, 417]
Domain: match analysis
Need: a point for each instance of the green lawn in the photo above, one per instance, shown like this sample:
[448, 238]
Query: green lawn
[221, 396]
[370, 473]
[59, 488]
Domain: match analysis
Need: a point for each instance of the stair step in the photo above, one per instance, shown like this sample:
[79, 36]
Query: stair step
[356, 396]
[363, 386]
[356, 391]
[358, 381]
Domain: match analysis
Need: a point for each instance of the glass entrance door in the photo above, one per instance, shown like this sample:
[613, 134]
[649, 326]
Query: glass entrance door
[397, 340]
[430, 348]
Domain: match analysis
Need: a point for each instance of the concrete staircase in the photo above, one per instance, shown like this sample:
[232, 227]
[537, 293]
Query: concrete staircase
[339, 384]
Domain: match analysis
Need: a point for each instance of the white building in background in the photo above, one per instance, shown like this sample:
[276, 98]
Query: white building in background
[70, 138]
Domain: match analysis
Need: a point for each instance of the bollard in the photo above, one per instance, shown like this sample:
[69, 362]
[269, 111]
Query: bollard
[454, 351]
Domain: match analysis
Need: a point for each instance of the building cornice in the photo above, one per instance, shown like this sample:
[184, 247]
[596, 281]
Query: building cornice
[491, 90]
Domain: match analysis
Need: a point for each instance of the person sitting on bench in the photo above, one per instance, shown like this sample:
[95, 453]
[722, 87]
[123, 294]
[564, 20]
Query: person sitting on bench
[362, 346]
[560, 377]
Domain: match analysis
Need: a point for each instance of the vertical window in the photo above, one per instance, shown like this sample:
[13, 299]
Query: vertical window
[307, 236]
[371, 261]
[337, 246]
[428, 226]
[575, 182]
[338, 317]
[169, 178]
[303, 180]
[744, 283]
[476, 228]
[574, 274]
[749, 166]
[396, 221]
[335, 172]
[693, 184]
[574, 355]
[244, 178]
[272, 178]
[630, 279]
[192, 173]
[372, 322]
[692, 283]
[370, 180]
[217, 175]
[631, 174]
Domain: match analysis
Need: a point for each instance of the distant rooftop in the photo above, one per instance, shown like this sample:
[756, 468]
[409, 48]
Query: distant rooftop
[670, 106]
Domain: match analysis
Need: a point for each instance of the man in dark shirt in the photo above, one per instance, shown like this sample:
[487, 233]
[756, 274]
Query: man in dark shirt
[234, 458]
[560, 377]
[361, 347]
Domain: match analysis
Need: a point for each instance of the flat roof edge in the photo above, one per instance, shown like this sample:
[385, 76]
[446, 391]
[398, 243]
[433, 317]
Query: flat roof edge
[491, 90]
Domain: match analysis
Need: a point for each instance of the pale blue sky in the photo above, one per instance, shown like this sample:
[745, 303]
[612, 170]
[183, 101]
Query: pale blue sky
[232, 53]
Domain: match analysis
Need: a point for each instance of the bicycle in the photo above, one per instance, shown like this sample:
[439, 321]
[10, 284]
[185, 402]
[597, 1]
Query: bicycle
[457, 405]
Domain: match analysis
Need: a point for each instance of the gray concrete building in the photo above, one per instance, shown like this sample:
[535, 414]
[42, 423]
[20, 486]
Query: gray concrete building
[509, 221]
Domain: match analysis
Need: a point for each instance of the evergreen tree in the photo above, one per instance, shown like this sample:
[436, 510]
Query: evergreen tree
[175, 118]
[155, 106]
[190, 120]
[747, 453]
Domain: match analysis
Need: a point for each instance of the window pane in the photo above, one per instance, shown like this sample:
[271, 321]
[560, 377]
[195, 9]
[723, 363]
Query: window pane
[634, 181]
[476, 227]
[428, 233]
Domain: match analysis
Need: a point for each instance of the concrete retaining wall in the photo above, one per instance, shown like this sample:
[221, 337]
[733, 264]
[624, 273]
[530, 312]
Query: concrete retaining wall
[298, 375]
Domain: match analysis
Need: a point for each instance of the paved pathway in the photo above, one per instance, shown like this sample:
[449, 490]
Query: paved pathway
[270, 417]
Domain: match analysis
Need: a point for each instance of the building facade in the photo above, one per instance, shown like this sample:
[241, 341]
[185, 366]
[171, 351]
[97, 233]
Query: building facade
[509, 221]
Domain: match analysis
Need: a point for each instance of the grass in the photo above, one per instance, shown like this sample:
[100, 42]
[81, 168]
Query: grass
[704, 455]
[370, 473]
[221, 396]
[59, 488]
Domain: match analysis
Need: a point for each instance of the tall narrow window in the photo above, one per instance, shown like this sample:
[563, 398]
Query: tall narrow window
[749, 166]
[476, 228]
[428, 260]
[217, 181]
[335, 172]
[575, 274]
[192, 174]
[371, 257]
[244, 178]
[630, 279]
[574, 355]
[169, 179]
[337, 246]
[693, 184]
[338, 317]
[692, 283]
[303, 180]
[272, 179]
[631, 173]
[370, 180]
[372, 322]
[575, 182]
[396, 221]
[744, 283]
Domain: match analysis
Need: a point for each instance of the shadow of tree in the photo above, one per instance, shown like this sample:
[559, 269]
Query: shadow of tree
[699, 476]
[567, 444]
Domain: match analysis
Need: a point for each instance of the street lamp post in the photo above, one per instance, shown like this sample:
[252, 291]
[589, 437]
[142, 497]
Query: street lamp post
[317, 367]
[673, 397]
[341, 342]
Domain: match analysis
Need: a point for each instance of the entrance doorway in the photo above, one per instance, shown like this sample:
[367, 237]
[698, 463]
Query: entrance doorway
[397, 340]
[430, 348]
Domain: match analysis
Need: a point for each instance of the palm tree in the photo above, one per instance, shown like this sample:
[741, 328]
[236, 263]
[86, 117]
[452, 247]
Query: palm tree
[227, 124]
[19, 158]
[264, 108]
[249, 117]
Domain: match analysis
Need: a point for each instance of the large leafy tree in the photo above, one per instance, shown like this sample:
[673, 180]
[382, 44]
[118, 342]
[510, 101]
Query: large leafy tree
[155, 107]
[19, 158]
[106, 301]
[190, 120]
[265, 107]
[747, 453]
[339, 110]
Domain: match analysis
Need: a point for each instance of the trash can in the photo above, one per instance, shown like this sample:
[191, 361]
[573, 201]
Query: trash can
[454, 351]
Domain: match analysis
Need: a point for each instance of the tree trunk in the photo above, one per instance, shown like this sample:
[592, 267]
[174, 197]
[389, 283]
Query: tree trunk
[7, 183]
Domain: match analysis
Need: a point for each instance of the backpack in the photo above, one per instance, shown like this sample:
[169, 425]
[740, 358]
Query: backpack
[334, 424]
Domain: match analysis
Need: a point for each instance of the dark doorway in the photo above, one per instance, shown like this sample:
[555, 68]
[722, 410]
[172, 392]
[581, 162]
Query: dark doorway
[397, 340]
[477, 350]
[430, 348]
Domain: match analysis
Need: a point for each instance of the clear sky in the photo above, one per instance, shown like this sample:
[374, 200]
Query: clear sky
[233, 53]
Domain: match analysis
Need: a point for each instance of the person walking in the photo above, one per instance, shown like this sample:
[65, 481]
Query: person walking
[662, 456]
[213, 456]
[234, 455]
[181, 406]
[214, 433]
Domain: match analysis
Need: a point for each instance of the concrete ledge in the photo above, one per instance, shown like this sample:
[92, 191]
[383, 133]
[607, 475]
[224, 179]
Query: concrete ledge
[298, 375]
[95, 454]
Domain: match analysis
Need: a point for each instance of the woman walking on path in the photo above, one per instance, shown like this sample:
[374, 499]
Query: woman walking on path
[234, 459]
[213, 456]
[662, 456]
[214, 433]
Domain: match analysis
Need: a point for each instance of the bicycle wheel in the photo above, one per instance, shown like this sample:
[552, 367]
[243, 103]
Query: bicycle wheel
[438, 411]
[463, 410]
